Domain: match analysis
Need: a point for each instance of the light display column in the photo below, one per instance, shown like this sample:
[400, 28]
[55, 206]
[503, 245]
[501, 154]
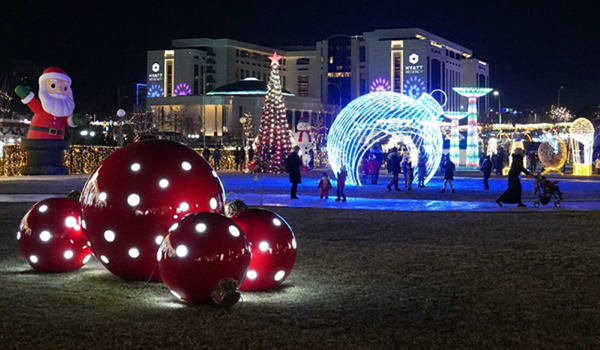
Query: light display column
[454, 147]
[274, 135]
[472, 94]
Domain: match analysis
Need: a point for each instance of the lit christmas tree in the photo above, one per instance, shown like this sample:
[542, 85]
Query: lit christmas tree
[274, 135]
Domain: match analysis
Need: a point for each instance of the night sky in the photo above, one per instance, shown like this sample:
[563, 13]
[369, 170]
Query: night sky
[533, 47]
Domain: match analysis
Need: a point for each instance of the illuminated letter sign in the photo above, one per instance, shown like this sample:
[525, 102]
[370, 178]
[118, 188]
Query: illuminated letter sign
[155, 75]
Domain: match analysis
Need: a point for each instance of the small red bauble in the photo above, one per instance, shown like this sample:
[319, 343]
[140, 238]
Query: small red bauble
[199, 251]
[273, 248]
[50, 236]
[136, 194]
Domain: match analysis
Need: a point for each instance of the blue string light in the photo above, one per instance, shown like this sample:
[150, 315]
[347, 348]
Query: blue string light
[372, 117]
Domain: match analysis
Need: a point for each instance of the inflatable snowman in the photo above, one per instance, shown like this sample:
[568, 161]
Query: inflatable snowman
[304, 140]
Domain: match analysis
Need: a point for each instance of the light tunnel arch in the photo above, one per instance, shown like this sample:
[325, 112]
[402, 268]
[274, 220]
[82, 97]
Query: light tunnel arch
[372, 117]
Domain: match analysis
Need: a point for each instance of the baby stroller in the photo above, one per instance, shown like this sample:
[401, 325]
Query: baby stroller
[546, 191]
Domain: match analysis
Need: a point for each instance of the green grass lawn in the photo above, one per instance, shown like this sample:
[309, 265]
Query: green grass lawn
[363, 280]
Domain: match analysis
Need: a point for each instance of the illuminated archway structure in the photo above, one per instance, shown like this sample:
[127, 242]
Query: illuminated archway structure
[454, 147]
[582, 131]
[371, 117]
[472, 94]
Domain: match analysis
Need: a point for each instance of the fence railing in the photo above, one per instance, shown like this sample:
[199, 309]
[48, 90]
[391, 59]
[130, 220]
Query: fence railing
[84, 159]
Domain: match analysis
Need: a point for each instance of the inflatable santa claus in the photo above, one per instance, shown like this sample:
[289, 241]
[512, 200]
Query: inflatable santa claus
[56, 107]
[304, 140]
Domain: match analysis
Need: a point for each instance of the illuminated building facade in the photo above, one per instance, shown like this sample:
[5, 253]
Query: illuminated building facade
[411, 60]
[323, 78]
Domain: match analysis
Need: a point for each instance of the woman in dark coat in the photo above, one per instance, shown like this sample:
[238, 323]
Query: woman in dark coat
[513, 194]
[292, 166]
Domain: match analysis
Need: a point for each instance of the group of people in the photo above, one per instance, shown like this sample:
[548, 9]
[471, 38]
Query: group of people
[406, 167]
[239, 157]
[511, 196]
[292, 167]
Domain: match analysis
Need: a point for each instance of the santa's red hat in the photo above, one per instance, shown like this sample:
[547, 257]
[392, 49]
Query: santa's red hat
[54, 73]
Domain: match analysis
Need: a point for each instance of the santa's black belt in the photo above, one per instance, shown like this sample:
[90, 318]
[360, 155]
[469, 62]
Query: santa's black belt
[50, 131]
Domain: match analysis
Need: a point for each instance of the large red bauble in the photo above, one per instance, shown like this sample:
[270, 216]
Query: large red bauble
[200, 250]
[273, 247]
[136, 194]
[50, 236]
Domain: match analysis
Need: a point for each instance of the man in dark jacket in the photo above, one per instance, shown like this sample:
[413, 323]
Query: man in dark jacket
[292, 166]
[394, 161]
[217, 157]
[486, 169]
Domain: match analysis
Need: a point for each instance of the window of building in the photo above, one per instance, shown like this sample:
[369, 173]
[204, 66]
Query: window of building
[256, 56]
[362, 54]
[303, 85]
[330, 59]
[283, 82]
[237, 52]
[242, 74]
[244, 54]
[169, 77]
[196, 78]
[302, 61]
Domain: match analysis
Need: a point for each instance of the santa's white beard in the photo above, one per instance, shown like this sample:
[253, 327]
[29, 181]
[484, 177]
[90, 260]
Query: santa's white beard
[57, 104]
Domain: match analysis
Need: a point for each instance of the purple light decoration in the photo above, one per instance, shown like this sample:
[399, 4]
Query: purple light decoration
[182, 89]
[155, 91]
[380, 84]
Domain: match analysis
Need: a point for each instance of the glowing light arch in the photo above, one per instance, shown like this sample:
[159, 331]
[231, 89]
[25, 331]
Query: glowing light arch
[182, 89]
[371, 117]
[156, 91]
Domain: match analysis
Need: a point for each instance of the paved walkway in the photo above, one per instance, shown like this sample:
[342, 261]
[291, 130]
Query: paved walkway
[277, 200]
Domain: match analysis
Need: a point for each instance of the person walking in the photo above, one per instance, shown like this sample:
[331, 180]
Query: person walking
[486, 169]
[341, 184]
[598, 163]
[238, 157]
[394, 161]
[206, 154]
[449, 169]
[363, 168]
[292, 166]
[324, 186]
[422, 167]
[410, 175]
[512, 195]
[217, 157]
[374, 166]
[404, 168]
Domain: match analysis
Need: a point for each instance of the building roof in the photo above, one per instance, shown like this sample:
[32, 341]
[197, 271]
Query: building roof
[247, 87]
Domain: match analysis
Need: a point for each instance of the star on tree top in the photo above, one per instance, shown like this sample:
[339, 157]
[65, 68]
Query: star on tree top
[275, 59]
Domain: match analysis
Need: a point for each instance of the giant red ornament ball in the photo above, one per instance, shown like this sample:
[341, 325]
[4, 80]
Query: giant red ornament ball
[273, 248]
[50, 236]
[199, 251]
[136, 194]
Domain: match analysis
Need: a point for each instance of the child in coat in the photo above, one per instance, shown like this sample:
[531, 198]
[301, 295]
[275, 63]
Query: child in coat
[324, 186]
[410, 175]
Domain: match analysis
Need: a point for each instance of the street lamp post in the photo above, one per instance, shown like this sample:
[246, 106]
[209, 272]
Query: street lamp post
[559, 90]
[203, 102]
[246, 121]
[497, 94]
